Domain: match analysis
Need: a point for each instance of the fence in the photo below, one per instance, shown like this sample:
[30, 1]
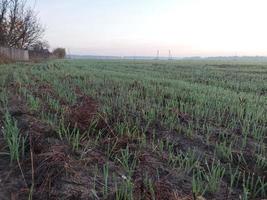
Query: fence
[15, 54]
[39, 55]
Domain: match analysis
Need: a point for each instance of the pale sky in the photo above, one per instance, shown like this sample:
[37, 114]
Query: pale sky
[141, 27]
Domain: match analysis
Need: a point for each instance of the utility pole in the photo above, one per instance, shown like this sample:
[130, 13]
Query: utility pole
[157, 57]
[68, 52]
[170, 55]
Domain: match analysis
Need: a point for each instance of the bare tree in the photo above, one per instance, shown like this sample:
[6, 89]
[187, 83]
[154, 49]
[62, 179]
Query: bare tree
[3, 23]
[40, 46]
[20, 26]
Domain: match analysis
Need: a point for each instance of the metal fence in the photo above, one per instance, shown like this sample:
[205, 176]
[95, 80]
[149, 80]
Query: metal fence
[15, 54]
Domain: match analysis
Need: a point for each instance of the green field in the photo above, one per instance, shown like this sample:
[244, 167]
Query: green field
[117, 129]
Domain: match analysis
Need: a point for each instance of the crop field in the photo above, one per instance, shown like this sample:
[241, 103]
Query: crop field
[130, 130]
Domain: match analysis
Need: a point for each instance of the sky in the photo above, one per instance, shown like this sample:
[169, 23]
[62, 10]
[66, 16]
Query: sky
[141, 27]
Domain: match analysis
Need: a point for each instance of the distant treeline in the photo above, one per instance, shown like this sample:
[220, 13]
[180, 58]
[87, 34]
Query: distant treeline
[217, 58]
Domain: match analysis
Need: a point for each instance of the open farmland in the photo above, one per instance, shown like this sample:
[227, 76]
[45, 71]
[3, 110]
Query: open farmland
[87, 129]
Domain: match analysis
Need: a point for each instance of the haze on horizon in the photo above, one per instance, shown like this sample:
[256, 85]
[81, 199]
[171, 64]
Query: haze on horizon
[141, 27]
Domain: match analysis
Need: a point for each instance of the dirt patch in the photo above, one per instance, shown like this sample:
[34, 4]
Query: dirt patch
[161, 190]
[183, 117]
[41, 89]
[82, 114]
[166, 182]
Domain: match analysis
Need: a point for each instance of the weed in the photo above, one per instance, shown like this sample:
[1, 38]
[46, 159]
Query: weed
[214, 176]
[199, 186]
[13, 138]
[106, 175]
[128, 161]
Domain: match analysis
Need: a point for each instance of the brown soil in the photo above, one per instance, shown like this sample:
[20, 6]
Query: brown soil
[81, 114]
